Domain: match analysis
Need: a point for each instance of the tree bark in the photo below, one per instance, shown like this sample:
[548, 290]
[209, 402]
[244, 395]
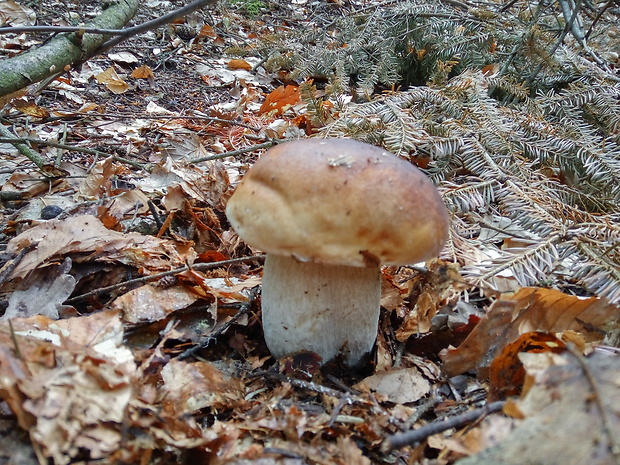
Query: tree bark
[63, 50]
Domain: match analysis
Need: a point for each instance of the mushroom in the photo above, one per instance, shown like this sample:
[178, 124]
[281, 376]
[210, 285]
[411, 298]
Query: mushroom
[329, 213]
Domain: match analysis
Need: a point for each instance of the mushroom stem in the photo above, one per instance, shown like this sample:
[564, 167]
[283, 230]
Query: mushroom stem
[327, 309]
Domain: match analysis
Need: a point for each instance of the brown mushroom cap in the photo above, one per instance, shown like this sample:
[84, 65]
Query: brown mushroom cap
[339, 202]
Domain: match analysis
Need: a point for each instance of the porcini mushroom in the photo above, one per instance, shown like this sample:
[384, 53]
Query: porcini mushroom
[329, 213]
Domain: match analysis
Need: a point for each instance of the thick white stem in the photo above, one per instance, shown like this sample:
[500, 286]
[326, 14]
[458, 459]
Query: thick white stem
[320, 308]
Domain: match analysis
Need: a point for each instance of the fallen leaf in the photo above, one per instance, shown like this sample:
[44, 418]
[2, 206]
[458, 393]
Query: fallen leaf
[148, 303]
[85, 239]
[123, 57]
[563, 417]
[399, 386]
[189, 387]
[14, 14]
[239, 64]
[44, 293]
[207, 31]
[506, 373]
[529, 309]
[69, 397]
[143, 72]
[30, 108]
[280, 100]
[112, 81]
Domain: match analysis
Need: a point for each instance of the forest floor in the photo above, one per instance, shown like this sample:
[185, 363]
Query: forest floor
[131, 315]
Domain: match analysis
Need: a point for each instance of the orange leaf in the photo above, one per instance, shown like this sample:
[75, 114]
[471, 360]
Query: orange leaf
[207, 31]
[280, 100]
[143, 72]
[530, 309]
[506, 373]
[239, 64]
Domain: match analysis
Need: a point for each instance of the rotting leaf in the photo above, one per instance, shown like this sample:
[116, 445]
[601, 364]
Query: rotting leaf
[530, 309]
[43, 293]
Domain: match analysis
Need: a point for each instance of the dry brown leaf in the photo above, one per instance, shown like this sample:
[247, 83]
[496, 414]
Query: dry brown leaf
[207, 31]
[30, 108]
[43, 294]
[71, 394]
[143, 72]
[564, 420]
[86, 239]
[112, 81]
[189, 387]
[147, 304]
[506, 373]
[530, 309]
[14, 14]
[398, 386]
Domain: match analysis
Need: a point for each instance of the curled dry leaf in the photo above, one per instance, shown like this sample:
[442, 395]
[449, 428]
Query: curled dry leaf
[398, 386]
[85, 239]
[43, 293]
[147, 304]
[529, 309]
[70, 394]
[112, 81]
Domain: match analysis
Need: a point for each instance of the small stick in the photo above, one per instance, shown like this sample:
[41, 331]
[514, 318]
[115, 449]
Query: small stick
[400, 440]
[245, 308]
[11, 266]
[235, 152]
[154, 277]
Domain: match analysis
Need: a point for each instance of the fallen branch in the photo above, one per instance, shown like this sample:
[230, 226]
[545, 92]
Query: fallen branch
[63, 51]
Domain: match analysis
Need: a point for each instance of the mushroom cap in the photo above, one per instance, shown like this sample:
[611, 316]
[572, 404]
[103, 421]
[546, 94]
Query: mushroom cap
[339, 202]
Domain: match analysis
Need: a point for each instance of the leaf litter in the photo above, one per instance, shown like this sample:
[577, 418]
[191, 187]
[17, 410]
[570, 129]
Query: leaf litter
[105, 379]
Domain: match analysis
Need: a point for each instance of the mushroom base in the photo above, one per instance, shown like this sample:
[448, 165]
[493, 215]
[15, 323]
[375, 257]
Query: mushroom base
[320, 308]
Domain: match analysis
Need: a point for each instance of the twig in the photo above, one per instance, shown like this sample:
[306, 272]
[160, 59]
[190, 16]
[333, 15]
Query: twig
[233, 153]
[73, 149]
[308, 385]
[245, 308]
[22, 148]
[154, 277]
[11, 266]
[397, 441]
[18, 352]
[598, 17]
[153, 24]
[58, 29]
